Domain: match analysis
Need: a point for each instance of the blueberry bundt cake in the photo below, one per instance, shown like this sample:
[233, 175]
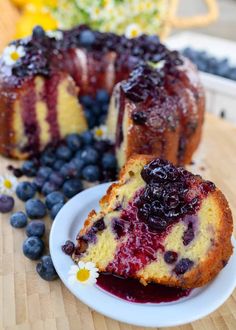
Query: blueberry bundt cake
[161, 224]
[157, 106]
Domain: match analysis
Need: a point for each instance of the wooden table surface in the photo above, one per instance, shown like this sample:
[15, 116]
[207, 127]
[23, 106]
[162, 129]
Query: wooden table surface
[28, 302]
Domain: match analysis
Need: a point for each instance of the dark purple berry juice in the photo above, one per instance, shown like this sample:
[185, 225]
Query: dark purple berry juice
[133, 291]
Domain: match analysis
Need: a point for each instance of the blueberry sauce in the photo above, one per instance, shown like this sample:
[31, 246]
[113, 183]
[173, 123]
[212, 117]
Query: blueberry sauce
[133, 291]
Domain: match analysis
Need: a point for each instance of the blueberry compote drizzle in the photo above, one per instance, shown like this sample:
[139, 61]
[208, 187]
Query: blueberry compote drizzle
[170, 195]
[133, 291]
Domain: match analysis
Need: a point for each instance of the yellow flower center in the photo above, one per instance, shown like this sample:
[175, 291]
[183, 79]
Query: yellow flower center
[7, 184]
[82, 275]
[134, 33]
[15, 56]
[99, 132]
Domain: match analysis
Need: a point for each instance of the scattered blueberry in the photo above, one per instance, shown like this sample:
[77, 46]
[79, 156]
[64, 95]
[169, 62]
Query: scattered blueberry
[54, 198]
[68, 248]
[35, 228]
[109, 161]
[69, 170]
[64, 153]
[91, 173]
[38, 182]
[25, 190]
[6, 203]
[18, 220]
[56, 178]
[58, 164]
[49, 187]
[29, 168]
[35, 209]
[72, 187]
[44, 172]
[55, 209]
[78, 163]
[89, 155]
[87, 138]
[87, 38]
[46, 270]
[47, 158]
[74, 141]
[102, 96]
[33, 247]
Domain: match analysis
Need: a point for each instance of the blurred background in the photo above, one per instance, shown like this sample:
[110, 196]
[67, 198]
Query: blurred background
[203, 30]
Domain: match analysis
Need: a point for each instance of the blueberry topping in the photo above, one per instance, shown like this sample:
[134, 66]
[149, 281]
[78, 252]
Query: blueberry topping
[54, 198]
[91, 173]
[6, 203]
[18, 220]
[25, 191]
[55, 209]
[87, 38]
[33, 247]
[68, 248]
[183, 266]
[35, 228]
[46, 269]
[35, 209]
[170, 257]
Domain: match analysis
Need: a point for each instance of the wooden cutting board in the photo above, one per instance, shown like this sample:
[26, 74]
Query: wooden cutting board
[28, 302]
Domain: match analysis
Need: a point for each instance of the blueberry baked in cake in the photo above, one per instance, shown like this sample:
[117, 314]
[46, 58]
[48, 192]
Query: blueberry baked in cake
[157, 101]
[159, 223]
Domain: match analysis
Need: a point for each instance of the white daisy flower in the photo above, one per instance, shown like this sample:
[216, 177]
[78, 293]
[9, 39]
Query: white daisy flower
[85, 273]
[133, 30]
[58, 35]
[12, 54]
[8, 184]
[100, 132]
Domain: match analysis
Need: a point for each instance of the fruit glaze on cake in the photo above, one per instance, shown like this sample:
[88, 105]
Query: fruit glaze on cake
[159, 223]
[156, 108]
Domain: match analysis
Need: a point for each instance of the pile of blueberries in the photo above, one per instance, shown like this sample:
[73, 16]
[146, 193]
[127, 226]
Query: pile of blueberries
[58, 175]
[210, 64]
[96, 107]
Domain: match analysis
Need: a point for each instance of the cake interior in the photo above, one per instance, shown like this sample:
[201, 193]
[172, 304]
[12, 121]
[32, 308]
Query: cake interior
[159, 223]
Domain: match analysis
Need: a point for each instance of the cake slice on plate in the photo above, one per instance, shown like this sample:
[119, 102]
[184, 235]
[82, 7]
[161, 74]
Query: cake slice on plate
[159, 223]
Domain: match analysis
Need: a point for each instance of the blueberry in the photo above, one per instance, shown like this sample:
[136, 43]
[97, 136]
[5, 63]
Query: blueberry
[29, 168]
[58, 164]
[54, 198]
[87, 138]
[48, 159]
[35, 209]
[91, 173]
[109, 161]
[33, 247]
[68, 248]
[74, 141]
[89, 155]
[102, 96]
[6, 203]
[170, 257]
[25, 190]
[87, 38]
[46, 270]
[49, 187]
[102, 146]
[183, 266]
[69, 170]
[91, 118]
[64, 153]
[56, 178]
[78, 163]
[72, 187]
[87, 101]
[18, 220]
[44, 172]
[55, 209]
[35, 228]
[38, 183]
[38, 32]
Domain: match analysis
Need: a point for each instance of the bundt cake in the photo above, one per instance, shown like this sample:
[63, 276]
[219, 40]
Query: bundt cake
[157, 106]
[159, 223]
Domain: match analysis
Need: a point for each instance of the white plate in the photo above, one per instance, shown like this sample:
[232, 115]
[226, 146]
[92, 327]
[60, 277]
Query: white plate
[198, 304]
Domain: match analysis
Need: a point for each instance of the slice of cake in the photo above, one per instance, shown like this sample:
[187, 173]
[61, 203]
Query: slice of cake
[159, 223]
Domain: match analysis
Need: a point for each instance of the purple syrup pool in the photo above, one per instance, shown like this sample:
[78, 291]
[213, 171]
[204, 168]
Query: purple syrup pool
[133, 291]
